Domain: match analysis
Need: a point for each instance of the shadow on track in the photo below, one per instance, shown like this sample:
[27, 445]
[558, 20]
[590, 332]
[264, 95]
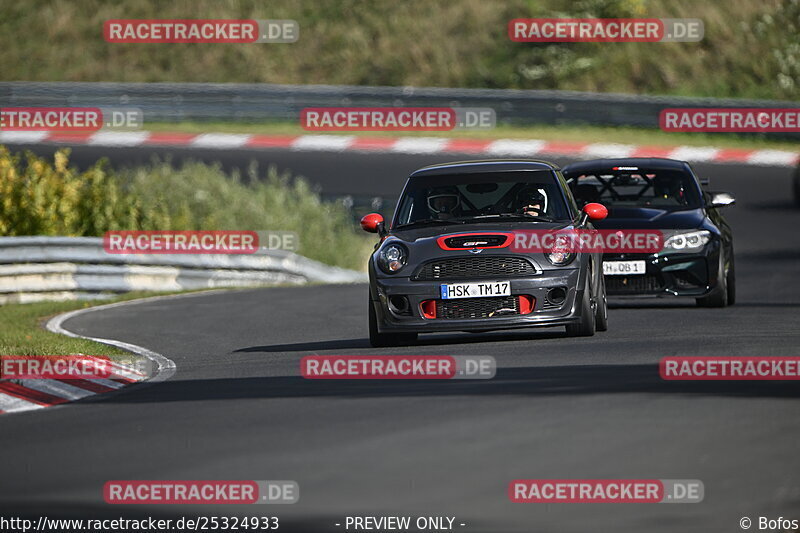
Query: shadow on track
[425, 340]
[532, 382]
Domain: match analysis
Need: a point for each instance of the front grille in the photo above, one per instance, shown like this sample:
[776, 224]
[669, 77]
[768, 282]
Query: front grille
[475, 268]
[475, 241]
[477, 307]
[633, 284]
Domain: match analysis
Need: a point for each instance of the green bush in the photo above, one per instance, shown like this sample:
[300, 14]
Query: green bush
[38, 197]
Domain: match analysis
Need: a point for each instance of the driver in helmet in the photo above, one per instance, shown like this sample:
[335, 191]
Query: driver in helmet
[443, 203]
[668, 188]
[530, 202]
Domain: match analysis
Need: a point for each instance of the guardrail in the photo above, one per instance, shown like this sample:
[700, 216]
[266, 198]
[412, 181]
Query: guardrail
[173, 102]
[60, 268]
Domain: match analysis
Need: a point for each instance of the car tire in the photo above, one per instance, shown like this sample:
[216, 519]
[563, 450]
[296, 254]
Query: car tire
[382, 340]
[719, 296]
[586, 327]
[731, 284]
[601, 316]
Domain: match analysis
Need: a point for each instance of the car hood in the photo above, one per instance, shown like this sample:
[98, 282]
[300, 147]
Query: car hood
[427, 232]
[650, 218]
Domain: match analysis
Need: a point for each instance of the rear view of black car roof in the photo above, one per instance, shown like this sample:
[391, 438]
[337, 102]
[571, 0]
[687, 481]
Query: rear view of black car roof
[652, 163]
[482, 167]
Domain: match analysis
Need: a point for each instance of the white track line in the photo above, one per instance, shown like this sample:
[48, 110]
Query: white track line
[220, 140]
[334, 143]
[694, 153]
[164, 367]
[773, 157]
[419, 145]
[516, 147]
[118, 138]
[23, 136]
[600, 150]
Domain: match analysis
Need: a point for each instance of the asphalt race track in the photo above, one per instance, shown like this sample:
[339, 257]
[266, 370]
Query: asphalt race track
[558, 408]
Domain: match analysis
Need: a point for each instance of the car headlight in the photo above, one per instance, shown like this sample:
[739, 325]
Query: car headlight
[562, 252]
[688, 240]
[392, 258]
[559, 257]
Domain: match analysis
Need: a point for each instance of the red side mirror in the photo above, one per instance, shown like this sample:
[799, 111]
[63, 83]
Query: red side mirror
[594, 210]
[371, 222]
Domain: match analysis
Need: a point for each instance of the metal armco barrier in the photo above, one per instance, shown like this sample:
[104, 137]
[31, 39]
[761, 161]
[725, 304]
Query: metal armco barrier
[60, 268]
[246, 102]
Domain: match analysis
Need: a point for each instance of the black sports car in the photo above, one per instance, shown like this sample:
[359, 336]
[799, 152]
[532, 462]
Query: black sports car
[697, 257]
[447, 264]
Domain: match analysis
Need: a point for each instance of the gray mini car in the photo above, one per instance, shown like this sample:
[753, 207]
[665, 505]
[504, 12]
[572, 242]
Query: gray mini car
[446, 262]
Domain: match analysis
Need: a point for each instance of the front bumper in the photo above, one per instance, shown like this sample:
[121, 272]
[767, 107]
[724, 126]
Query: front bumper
[668, 274]
[545, 312]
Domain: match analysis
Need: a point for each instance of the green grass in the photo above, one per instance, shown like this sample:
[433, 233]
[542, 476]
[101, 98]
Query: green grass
[639, 136]
[750, 48]
[24, 332]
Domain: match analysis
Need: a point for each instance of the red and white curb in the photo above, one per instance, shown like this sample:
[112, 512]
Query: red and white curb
[407, 145]
[33, 394]
[28, 394]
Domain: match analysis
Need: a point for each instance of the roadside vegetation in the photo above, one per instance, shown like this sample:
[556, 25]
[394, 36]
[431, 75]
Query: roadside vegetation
[750, 49]
[24, 332]
[43, 197]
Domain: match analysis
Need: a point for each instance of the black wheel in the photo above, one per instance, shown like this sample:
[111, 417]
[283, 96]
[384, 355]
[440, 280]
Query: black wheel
[586, 327]
[380, 340]
[601, 315]
[731, 283]
[719, 296]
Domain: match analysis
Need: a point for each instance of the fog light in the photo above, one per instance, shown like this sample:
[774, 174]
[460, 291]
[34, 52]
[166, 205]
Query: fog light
[399, 305]
[557, 296]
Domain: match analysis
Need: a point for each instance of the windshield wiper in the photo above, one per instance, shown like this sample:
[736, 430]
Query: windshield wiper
[431, 221]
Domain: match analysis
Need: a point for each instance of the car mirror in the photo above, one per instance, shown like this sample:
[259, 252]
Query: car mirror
[373, 223]
[595, 211]
[722, 199]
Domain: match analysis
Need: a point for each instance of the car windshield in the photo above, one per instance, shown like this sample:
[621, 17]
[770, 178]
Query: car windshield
[662, 189]
[463, 198]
